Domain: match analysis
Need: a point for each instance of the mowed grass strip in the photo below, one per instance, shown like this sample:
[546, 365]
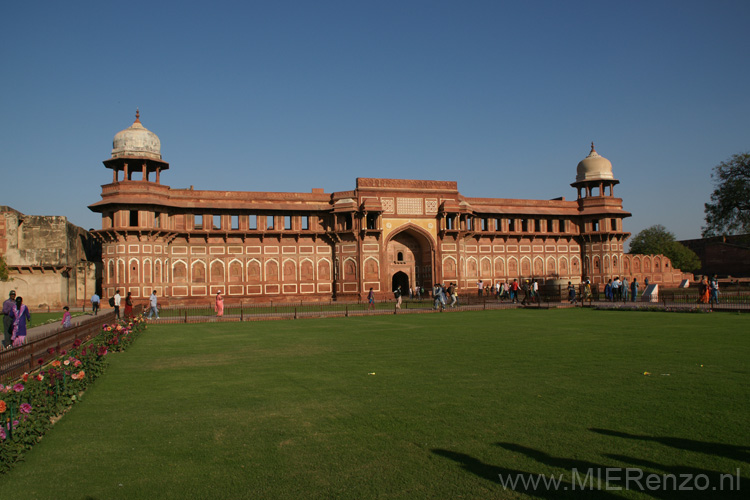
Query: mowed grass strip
[410, 407]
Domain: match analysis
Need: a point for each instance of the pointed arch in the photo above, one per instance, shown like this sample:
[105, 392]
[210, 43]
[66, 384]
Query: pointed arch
[198, 271]
[485, 267]
[254, 273]
[563, 264]
[148, 274]
[551, 266]
[289, 270]
[218, 271]
[525, 266]
[538, 266]
[472, 268]
[306, 270]
[450, 267]
[272, 270]
[235, 271]
[513, 267]
[134, 274]
[371, 269]
[324, 269]
[350, 269]
[179, 271]
[499, 267]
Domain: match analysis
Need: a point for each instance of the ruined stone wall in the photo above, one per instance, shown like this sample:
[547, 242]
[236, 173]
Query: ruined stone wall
[52, 262]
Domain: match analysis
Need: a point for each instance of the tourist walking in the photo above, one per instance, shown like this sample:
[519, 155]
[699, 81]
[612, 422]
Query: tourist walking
[95, 303]
[703, 291]
[371, 299]
[634, 290]
[20, 314]
[714, 290]
[452, 294]
[587, 295]
[8, 306]
[571, 293]
[219, 307]
[397, 296]
[128, 307]
[624, 289]
[480, 288]
[608, 291]
[514, 291]
[66, 317]
[116, 303]
[153, 306]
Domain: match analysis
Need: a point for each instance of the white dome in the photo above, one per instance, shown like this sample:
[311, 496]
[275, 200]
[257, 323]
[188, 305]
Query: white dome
[136, 141]
[594, 167]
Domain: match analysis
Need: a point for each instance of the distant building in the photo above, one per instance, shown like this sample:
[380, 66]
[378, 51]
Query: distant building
[190, 244]
[52, 262]
[723, 255]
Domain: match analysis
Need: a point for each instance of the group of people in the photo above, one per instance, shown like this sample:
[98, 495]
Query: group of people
[620, 290]
[441, 295]
[510, 291]
[15, 317]
[116, 301]
[708, 290]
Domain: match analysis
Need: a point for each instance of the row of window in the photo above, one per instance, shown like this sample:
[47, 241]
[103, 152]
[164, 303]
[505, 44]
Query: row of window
[345, 222]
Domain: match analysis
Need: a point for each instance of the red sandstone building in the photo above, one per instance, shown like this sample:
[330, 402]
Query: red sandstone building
[190, 244]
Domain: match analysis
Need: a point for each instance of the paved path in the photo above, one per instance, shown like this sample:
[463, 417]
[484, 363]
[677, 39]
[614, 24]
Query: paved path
[36, 332]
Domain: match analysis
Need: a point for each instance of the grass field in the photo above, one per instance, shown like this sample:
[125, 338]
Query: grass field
[432, 406]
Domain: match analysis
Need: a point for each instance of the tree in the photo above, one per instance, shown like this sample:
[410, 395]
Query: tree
[657, 240]
[4, 275]
[729, 209]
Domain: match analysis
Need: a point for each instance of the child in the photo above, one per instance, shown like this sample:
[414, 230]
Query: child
[66, 317]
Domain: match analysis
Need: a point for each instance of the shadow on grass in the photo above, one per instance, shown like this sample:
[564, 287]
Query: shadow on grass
[530, 483]
[673, 482]
[732, 452]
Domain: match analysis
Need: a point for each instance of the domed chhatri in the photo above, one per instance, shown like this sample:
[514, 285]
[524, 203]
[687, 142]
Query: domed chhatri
[594, 167]
[136, 141]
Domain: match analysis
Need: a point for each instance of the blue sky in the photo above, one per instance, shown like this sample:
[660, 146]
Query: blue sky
[503, 97]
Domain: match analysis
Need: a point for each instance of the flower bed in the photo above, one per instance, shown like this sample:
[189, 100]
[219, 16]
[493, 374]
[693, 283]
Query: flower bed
[32, 404]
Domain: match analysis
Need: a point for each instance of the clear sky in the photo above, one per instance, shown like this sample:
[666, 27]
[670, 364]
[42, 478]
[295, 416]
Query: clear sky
[274, 95]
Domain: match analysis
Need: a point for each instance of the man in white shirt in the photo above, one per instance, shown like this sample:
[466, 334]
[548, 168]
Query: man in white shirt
[153, 306]
[117, 303]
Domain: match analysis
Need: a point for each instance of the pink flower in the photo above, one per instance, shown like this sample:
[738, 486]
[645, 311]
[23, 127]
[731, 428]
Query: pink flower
[18, 387]
[4, 388]
[66, 362]
[25, 408]
[2, 434]
[77, 363]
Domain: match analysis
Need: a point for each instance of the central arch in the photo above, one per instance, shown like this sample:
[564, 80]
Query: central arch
[409, 254]
[400, 279]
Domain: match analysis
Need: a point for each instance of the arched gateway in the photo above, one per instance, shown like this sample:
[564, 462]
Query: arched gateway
[410, 256]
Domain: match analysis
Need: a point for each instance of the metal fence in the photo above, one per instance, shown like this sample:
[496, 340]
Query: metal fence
[15, 361]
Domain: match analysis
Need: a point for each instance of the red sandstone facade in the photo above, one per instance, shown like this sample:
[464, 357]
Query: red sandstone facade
[188, 244]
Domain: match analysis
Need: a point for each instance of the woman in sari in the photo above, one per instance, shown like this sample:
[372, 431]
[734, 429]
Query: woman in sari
[703, 291]
[20, 315]
[219, 304]
[128, 307]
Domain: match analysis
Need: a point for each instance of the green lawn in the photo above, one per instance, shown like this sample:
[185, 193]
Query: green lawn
[426, 406]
